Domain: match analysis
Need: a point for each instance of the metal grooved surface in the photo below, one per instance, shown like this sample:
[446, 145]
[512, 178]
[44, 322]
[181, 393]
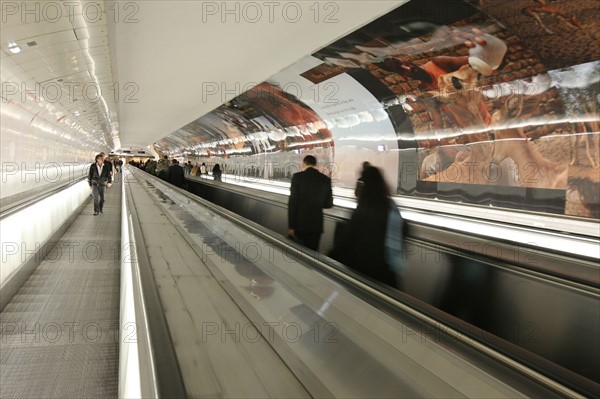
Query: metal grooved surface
[60, 332]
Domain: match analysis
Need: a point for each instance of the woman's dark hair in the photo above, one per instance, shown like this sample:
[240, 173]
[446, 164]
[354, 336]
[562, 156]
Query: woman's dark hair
[374, 191]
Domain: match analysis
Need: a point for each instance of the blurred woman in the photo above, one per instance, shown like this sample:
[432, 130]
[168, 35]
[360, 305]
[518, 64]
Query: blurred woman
[362, 244]
[195, 170]
[217, 172]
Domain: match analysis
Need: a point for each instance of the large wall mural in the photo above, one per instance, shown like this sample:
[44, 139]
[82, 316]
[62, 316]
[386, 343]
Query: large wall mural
[484, 102]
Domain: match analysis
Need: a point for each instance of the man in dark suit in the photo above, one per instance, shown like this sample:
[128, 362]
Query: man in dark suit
[310, 192]
[99, 177]
[175, 175]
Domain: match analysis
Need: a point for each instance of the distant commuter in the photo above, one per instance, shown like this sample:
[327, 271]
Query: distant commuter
[362, 245]
[108, 163]
[203, 170]
[175, 175]
[195, 170]
[151, 167]
[99, 177]
[310, 193]
[162, 169]
[188, 168]
[217, 172]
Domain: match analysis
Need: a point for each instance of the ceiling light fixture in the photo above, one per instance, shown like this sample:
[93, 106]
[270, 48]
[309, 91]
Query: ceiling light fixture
[14, 48]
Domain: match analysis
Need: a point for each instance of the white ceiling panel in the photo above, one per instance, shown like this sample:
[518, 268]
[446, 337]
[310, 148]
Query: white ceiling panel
[100, 50]
[105, 79]
[102, 69]
[43, 75]
[63, 69]
[7, 64]
[91, 32]
[32, 65]
[61, 38]
[24, 56]
[55, 38]
[89, 7]
[93, 42]
[65, 58]
[78, 77]
[59, 48]
[11, 17]
[103, 60]
[12, 34]
[80, 22]
[171, 51]
[45, 27]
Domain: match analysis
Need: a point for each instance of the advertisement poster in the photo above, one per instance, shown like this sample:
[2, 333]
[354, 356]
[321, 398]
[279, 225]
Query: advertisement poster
[482, 102]
[515, 133]
[252, 134]
[267, 131]
[361, 128]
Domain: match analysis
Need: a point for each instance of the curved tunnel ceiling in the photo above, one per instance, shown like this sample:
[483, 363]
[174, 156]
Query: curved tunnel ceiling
[56, 66]
[174, 61]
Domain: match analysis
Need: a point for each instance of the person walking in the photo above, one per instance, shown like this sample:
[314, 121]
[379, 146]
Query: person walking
[175, 174]
[162, 169]
[217, 172]
[310, 193]
[106, 161]
[99, 178]
[362, 246]
[195, 170]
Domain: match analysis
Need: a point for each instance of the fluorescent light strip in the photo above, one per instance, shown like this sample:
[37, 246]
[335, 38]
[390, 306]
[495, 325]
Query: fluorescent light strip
[549, 222]
[518, 235]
